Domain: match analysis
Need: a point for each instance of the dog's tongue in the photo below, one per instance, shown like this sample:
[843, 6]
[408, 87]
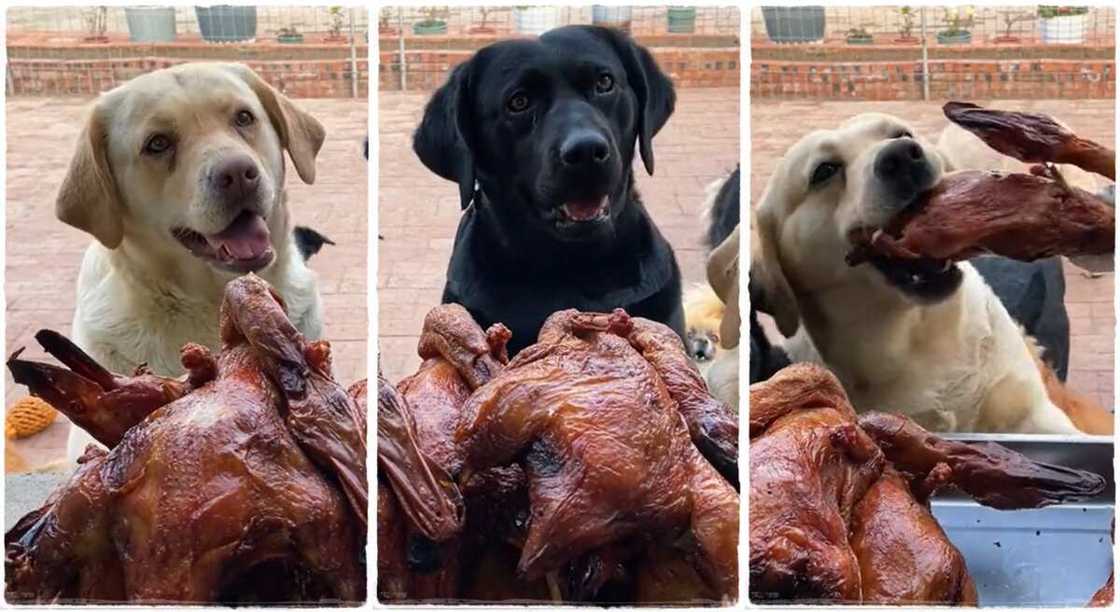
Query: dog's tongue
[246, 238]
[582, 210]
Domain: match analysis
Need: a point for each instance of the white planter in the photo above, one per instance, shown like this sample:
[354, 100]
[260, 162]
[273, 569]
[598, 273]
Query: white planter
[535, 19]
[1063, 30]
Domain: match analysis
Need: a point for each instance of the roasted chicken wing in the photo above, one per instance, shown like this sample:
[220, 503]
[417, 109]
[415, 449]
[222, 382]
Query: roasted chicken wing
[244, 481]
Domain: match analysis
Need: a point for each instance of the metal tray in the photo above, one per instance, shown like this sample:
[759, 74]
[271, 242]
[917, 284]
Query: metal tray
[1056, 556]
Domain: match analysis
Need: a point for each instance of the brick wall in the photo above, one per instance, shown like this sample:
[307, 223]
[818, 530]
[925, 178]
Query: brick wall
[300, 72]
[842, 72]
[687, 66]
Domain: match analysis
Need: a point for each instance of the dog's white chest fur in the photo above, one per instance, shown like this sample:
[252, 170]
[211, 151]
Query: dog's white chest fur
[960, 365]
[124, 320]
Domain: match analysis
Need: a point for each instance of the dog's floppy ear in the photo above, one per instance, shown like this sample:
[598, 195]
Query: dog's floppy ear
[443, 142]
[770, 291]
[300, 133]
[654, 90]
[88, 198]
[723, 276]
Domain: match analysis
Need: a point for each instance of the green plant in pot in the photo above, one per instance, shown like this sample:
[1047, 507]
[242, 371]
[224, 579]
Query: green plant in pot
[434, 22]
[958, 20]
[384, 21]
[289, 35]
[682, 19]
[859, 36]
[906, 26]
[1010, 18]
[483, 26]
[337, 19]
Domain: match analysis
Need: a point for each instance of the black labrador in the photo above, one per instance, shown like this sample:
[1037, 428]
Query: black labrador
[540, 134]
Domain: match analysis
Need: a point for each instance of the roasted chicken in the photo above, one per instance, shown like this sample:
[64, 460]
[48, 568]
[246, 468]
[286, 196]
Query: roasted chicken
[576, 465]
[1021, 216]
[839, 506]
[243, 481]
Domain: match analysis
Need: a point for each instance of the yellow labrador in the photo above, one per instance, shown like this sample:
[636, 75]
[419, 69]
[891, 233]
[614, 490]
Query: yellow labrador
[179, 177]
[935, 344]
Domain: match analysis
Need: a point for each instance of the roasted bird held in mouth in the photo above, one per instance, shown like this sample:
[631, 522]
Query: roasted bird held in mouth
[586, 465]
[839, 504]
[1020, 216]
[243, 481]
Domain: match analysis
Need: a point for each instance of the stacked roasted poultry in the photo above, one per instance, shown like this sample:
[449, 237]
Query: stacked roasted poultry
[243, 481]
[839, 504]
[594, 466]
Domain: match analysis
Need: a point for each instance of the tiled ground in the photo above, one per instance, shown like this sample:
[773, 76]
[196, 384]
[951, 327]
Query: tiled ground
[419, 211]
[43, 254]
[1089, 301]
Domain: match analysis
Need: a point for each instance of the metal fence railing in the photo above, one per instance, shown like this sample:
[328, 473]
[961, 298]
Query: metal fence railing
[700, 45]
[511, 20]
[171, 24]
[311, 51]
[945, 25]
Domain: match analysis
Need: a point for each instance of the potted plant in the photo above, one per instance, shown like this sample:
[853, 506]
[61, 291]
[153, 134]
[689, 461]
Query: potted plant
[1062, 25]
[97, 22]
[337, 17]
[682, 19]
[224, 23]
[384, 23]
[289, 35]
[794, 24]
[535, 19]
[482, 27]
[1010, 18]
[150, 23]
[617, 17]
[434, 22]
[859, 36]
[957, 21]
[906, 29]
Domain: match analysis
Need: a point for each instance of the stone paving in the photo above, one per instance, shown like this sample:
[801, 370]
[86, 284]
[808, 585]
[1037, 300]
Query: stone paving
[419, 211]
[1089, 300]
[43, 254]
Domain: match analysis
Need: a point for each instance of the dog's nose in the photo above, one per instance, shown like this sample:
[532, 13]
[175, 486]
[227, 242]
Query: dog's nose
[903, 166]
[584, 148]
[236, 179]
[901, 157]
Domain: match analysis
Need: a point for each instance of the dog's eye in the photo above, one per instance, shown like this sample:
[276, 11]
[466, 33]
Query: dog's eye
[156, 144]
[605, 83]
[902, 134]
[244, 118]
[518, 102]
[823, 172]
[714, 337]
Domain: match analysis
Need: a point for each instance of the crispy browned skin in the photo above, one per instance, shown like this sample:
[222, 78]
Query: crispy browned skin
[212, 497]
[839, 506]
[105, 404]
[713, 425]
[1032, 138]
[809, 467]
[904, 555]
[427, 494]
[606, 452]
[1021, 216]
[1103, 598]
[991, 474]
[458, 357]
